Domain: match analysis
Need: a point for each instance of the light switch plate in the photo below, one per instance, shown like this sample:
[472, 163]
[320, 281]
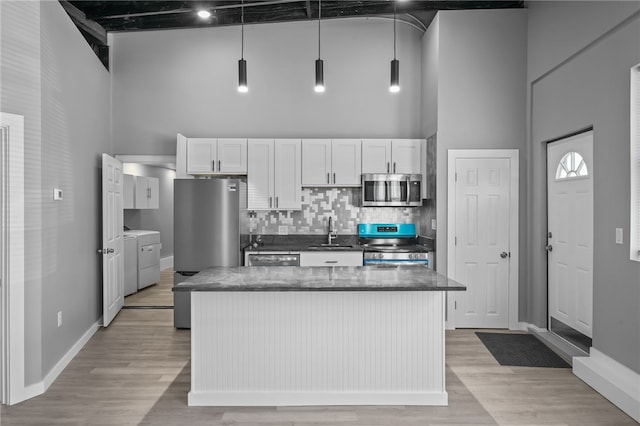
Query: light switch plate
[433, 224]
[283, 230]
[619, 236]
[57, 194]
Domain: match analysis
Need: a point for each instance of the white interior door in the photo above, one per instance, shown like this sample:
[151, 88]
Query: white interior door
[570, 231]
[482, 240]
[112, 245]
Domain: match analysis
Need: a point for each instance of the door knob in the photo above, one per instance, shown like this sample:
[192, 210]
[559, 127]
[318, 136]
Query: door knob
[504, 255]
[548, 247]
[102, 251]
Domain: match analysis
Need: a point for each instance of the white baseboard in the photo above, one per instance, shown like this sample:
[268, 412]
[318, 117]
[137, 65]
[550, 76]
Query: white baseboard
[522, 326]
[236, 399]
[533, 327]
[616, 382]
[166, 262]
[71, 353]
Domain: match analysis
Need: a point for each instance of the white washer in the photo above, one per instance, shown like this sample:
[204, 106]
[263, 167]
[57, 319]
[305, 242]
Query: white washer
[148, 258]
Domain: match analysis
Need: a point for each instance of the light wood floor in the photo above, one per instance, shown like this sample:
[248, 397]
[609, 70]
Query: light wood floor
[137, 372]
[159, 294]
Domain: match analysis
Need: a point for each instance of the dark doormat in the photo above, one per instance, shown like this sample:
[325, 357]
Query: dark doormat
[522, 350]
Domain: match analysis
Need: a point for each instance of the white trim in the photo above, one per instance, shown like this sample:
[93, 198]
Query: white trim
[634, 228]
[12, 300]
[166, 161]
[166, 263]
[41, 387]
[616, 382]
[514, 165]
[71, 353]
[259, 399]
[534, 328]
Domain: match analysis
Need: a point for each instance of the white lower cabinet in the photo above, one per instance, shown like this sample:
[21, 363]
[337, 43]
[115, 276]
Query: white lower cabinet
[274, 174]
[331, 258]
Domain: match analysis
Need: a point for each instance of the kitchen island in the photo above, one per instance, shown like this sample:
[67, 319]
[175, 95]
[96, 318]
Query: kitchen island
[317, 336]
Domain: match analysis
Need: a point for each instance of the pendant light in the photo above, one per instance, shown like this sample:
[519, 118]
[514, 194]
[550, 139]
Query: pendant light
[319, 87]
[395, 64]
[242, 64]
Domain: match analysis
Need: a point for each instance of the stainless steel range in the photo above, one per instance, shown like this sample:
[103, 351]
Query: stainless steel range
[392, 244]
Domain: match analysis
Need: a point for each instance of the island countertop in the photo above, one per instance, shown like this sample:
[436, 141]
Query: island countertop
[342, 278]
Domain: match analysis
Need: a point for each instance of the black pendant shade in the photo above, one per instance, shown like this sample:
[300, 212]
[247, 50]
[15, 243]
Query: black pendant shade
[242, 76]
[319, 76]
[395, 76]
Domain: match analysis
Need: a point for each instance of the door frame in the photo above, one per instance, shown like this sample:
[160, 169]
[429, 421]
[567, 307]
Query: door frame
[513, 156]
[12, 301]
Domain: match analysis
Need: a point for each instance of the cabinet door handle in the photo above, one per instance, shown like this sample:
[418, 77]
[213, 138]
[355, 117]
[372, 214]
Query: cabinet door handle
[334, 178]
[330, 261]
[394, 167]
[387, 167]
[219, 165]
[213, 166]
[270, 200]
[328, 181]
[277, 202]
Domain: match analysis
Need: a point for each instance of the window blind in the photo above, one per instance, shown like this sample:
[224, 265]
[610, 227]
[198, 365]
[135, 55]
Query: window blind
[634, 234]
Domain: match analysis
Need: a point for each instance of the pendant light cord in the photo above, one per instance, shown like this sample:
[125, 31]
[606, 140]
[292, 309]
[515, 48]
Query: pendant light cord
[394, 29]
[319, 18]
[242, 38]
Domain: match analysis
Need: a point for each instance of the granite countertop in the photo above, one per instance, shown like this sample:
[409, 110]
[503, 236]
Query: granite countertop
[295, 278]
[296, 243]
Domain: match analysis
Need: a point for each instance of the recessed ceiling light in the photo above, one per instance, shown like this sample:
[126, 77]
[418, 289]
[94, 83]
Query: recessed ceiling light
[204, 14]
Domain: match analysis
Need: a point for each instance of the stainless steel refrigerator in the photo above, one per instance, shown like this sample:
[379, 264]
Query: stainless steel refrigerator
[208, 218]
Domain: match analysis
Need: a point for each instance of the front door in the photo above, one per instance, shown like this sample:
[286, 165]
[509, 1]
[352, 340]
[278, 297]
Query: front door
[112, 244]
[570, 233]
[482, 239]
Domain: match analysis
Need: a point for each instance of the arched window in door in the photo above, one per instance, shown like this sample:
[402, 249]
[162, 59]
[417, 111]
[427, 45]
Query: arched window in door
[572, 165]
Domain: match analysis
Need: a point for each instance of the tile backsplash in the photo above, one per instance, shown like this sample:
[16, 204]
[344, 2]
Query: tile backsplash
[318, 204]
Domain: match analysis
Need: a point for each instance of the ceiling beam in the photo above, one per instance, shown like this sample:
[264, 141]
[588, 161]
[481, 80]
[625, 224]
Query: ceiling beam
[80, 19]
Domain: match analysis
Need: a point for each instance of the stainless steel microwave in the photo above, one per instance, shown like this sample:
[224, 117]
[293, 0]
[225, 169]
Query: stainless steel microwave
[393, 190]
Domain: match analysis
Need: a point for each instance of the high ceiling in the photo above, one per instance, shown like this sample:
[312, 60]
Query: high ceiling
[96, 18]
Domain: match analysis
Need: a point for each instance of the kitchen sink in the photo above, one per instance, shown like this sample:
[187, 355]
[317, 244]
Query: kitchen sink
[333, 247]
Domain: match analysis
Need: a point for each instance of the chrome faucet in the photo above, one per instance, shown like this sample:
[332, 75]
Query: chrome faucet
[332, 232]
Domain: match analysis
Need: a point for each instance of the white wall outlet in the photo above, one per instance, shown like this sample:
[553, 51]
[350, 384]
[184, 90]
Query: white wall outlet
[433, 224]
[619, 236]
[283, 230]
[57, 194]
[59, 318]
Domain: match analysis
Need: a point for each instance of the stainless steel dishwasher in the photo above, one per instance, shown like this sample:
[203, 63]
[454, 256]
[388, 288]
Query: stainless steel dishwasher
[273, 259]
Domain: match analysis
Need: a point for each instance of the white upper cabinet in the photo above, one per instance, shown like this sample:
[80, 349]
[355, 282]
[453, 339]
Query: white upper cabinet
[376, 156]
[316, 162]
[274, 174]
[260, 174]
[346, 161]
[288, 174]
[201, 155]
[232, 156]
[216, 156]
[327, 162]
[147, 192]
[406, 155]
[392, 156]
[128, 194]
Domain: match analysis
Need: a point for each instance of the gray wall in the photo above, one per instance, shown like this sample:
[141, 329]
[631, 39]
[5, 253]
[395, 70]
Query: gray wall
[582, 82]
[430, 69]
[160, 219]
[51, 76]
[20, 87]
[165, 82]
[481, 99]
